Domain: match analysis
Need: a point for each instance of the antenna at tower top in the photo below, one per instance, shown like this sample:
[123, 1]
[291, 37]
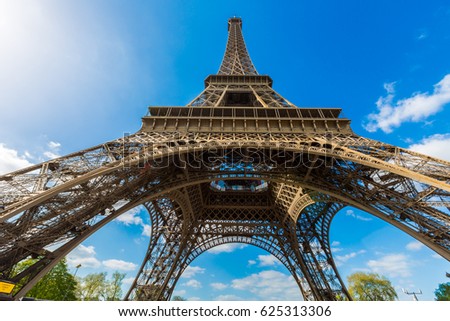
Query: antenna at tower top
[236, 20]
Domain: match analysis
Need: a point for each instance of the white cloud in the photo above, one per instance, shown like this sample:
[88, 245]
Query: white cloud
[359, 269]
[251, 262]
[268, 260]
[54, 145]
[128, 281]
[27, 154]
[191, 271]
[218, 286]
[437, 256]
[416, 108]
[147, 230]
[341, 259]
[51, 155]
[193, 284]
[351, 213]
[269, 285]
[435, 145]
[54, 150]
[226, 248]
[84, 255]
[10, 160]
[119, 265]
[130, 217]
[179, 292]
[414, 246]
[392, 265]
[193, 298]
[422, 35]
[335, 247]
[228, 297]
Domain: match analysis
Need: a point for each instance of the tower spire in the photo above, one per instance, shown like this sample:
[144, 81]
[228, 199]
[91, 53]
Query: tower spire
[236, 60]
[238, 83]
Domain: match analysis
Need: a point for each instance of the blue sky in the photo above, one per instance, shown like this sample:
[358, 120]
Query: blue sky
[76, 74]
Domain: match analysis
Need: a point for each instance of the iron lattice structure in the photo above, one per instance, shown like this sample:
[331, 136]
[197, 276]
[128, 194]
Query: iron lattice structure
[239, 163]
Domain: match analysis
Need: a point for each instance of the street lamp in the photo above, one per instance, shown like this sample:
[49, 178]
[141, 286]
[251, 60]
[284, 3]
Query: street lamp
[76, 270]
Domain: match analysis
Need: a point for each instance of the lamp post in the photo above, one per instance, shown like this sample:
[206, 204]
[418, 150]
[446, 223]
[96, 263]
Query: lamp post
[76, 270]
[74, 275]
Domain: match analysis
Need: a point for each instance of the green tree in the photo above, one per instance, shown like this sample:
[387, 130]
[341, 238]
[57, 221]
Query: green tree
[92, 287]
[57, 285]
[114, 287]
[178, 298]
[95, 287]
[370, 287]
[443, 292]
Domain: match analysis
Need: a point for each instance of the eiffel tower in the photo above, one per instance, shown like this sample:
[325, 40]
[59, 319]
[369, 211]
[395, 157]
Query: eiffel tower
[239, 163]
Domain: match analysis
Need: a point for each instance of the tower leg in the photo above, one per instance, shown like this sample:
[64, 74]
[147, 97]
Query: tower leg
[312, 234]
[171, 241]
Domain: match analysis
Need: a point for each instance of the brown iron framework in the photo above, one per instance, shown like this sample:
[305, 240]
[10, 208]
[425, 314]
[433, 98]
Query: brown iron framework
[239, 163]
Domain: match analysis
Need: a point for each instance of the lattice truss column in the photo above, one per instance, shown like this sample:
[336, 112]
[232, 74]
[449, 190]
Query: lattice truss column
[49, 208]
[313, 228]
[311, 213]
[174, 233]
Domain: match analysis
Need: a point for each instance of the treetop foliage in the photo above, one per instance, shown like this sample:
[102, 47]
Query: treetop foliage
[370, 287]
